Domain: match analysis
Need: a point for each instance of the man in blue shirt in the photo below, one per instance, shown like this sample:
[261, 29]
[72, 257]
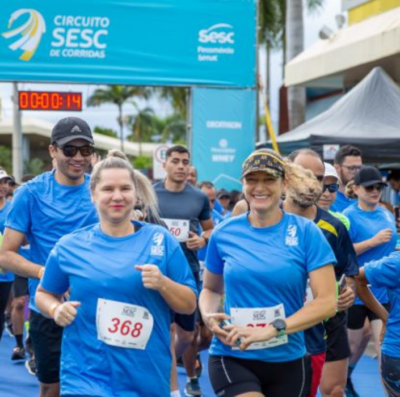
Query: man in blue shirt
[45, 209]
[347, 162]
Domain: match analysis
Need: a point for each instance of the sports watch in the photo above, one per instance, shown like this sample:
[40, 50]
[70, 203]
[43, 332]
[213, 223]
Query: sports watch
[280, 326]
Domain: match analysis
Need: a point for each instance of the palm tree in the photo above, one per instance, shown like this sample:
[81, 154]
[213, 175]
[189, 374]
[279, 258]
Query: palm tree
[294, 46]
[178, 96]
[118, 95]
[141, 125]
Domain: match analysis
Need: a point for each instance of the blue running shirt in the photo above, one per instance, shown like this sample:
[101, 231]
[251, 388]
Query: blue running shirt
[96, 266]
[363, 226]
[265, 267]
[342, 202]
[385, 273]
[45, 211]
[8, 276]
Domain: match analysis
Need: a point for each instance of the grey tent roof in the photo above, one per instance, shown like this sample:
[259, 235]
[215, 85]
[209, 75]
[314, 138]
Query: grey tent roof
[368, 116]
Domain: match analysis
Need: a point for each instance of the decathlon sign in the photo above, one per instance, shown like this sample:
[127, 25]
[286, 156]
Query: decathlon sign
[211, 43]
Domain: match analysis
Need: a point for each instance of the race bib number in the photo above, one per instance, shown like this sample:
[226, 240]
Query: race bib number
[178, 228]
[123, 325]
[259, 317]
[309, 295]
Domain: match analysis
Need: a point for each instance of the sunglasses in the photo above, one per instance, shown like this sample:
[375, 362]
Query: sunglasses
[72, 151]
[332, 188]
[371, 188]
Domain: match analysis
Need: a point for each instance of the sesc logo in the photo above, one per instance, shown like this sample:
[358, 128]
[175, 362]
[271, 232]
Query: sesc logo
[220, 33]
[31, 32]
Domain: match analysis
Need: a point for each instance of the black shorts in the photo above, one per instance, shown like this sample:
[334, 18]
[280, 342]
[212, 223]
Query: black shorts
[231, 376]
[20, 286]
[187, 321]
[338, 347]
[358, 313]
[46, 338]
[390, 371]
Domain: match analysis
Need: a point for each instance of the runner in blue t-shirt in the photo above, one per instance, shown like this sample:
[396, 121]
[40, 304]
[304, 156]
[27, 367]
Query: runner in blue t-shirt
[385, 273]
[261, 260]
[42, 211]
[6, 278]
[123, 278]
[373, 232]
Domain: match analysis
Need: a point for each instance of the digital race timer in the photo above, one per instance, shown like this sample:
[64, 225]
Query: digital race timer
[43, 100]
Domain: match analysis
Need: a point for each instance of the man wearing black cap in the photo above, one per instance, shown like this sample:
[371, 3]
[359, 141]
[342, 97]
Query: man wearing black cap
[45, 209]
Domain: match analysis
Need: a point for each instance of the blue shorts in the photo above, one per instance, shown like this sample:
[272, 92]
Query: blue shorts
[390, 370]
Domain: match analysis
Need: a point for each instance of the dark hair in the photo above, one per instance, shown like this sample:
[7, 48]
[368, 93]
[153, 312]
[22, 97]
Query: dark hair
[292, 156]
[206, 184]
[178, 149]
[394, 175]
[346, 151]
[27, 178]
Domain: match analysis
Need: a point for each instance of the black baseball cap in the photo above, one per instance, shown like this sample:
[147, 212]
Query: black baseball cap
[368, 176]
[69, 129]
[223, 193]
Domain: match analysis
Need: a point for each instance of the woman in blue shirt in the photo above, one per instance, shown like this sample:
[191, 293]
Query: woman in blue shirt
[123, 277]
[373, 233]
[261, 260]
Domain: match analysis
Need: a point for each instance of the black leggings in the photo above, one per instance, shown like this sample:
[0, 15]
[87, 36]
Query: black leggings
[5, 288]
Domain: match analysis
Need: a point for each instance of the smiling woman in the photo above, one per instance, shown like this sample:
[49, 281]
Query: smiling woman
[124, 277]
[261, 261]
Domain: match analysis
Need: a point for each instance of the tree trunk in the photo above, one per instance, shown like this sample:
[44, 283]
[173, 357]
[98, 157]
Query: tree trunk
[121, 128]
[294, 46]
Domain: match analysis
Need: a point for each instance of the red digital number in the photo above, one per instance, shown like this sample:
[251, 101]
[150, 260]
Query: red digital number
[77, 100]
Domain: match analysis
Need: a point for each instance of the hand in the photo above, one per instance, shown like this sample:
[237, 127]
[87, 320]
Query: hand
[65, 313]
[383, 332]
[384, 236]
[195, 242]
[152, 277]
[212, 320]
[346, 299]
[249, 335]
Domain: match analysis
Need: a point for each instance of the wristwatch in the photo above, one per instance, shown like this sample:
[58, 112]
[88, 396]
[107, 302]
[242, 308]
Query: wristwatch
[280, 326]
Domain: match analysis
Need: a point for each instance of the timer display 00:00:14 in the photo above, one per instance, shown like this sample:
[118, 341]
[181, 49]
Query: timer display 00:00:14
[46, 100]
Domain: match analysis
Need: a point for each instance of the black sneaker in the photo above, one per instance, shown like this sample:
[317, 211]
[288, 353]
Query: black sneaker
[18, 353]
[179, 362]
[30, 365]
[192, 388]
[349, 390]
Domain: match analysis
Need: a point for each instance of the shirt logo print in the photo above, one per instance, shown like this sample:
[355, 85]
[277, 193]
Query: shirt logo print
[291, 236]
[157, 249]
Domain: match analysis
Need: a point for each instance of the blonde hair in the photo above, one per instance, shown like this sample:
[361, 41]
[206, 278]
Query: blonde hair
[144, 190]
[349, 190]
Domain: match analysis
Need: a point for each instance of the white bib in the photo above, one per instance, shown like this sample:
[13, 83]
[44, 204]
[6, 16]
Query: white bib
[259, 317]
[178, 228]
[123, 324]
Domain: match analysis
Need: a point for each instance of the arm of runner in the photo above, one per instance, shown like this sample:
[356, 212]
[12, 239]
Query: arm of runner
[11, 260]
[52, 306]
[210, 302]
[365, 294]
[382, 237]
[180, 298]
[323, 286]
[240, 208]
[207, 227]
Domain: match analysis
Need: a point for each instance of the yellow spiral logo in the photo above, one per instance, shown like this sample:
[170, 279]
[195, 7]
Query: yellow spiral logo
[31, 32]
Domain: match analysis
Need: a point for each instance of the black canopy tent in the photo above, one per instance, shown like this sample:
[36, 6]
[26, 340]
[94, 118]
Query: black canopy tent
[368, 117]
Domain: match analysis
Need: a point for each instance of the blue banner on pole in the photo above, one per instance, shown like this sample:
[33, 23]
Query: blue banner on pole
[223, 134]
[138, 42]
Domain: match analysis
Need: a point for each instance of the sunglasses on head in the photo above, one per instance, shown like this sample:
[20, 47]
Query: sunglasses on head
[332, 188]
[371, 188]
[72, 151]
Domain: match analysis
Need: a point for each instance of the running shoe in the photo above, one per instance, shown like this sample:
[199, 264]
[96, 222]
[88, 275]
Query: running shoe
[8, 326]
[349, 390]
[192, 388]
[30, 365]
[18, 353]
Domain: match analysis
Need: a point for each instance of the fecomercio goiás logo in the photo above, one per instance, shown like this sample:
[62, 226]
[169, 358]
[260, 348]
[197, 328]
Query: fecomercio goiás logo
[28, 35]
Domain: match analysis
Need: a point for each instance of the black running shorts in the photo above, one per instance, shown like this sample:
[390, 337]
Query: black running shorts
[338, 347]
[358, 313]
[46, 342]
[20, 286]
[233, 376]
